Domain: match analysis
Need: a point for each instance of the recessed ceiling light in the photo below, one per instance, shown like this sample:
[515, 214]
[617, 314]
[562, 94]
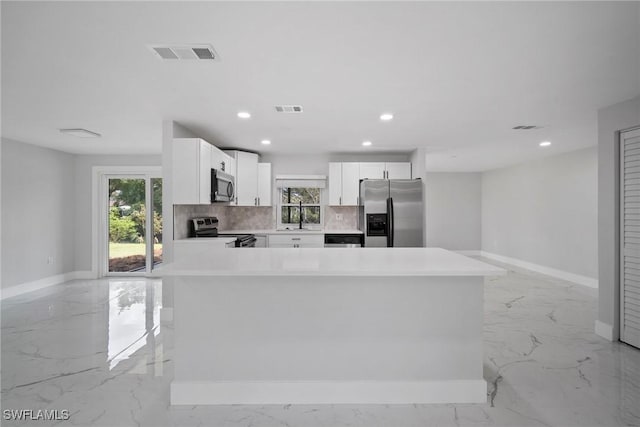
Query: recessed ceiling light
[545, 143]
[386, 117]
[265, 142]
[366, 143]
[244, 114]
[81, 133]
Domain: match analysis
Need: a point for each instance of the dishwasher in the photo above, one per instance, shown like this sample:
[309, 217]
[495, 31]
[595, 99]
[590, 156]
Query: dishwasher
[343, 240]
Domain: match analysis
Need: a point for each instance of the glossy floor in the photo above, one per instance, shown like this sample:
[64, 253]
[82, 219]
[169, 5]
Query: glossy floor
[99, 350]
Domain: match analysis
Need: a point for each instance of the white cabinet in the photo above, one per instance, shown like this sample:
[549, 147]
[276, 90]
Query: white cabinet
[191, 161]
[261, 241]
[222, 161]
[388, 170]
[297, 240]
[343, 183]
[335, 184]
[229, 164]
[350, 183]
[253, 179]
[344, 178]
[372, 171]
[398, 170]
[246, 165]
[264, 184]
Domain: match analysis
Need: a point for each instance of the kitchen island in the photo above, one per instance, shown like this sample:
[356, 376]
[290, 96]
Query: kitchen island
[372, 325]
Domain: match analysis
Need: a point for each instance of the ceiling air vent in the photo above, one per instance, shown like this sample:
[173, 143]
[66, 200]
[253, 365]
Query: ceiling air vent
[289, 108]
[526, 127]
[196, 51]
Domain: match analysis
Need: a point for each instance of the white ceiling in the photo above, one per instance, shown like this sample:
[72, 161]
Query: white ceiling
[457, 76]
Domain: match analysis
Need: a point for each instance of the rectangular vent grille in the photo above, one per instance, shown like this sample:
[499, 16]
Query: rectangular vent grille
[203, 52]
[526, 127]
[289, 108]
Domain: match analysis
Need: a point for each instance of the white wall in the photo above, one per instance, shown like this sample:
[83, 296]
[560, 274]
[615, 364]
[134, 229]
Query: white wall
[83, 198]
[170, 130]
[38, 213]
[545, 212]
[452, 206]
[453, 210]
[611, 120]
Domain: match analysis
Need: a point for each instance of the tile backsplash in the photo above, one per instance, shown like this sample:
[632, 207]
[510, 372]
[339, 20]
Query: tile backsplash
[229, 217]
[253, 218]
[349, 217]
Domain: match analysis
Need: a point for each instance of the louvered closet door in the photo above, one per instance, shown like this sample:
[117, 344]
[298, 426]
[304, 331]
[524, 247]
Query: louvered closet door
[630, 237]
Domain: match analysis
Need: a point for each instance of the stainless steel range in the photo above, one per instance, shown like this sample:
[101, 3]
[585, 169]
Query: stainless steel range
[208, 227]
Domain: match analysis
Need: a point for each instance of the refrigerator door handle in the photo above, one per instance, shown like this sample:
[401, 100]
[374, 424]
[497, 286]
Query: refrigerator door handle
[390, 227]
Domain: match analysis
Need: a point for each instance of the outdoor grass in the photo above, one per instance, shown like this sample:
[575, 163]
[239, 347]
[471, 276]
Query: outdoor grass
[120, 250]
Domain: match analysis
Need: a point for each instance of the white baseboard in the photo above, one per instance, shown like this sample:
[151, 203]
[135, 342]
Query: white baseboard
[23, 288]
[604, 330]
[559, 274]
[469, 252]
[327, 392]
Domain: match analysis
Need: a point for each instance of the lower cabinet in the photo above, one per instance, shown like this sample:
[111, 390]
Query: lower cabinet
[297, 240]
[261, 241]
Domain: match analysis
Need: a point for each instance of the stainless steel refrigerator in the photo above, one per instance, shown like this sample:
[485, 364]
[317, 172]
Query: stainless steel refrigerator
[391, 212]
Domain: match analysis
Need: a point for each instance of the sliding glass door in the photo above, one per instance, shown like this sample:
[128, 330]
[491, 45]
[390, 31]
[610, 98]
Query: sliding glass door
[133, 226]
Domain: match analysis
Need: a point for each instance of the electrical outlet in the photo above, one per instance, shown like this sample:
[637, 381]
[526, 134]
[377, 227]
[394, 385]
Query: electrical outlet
[339, 217]
[50, 259]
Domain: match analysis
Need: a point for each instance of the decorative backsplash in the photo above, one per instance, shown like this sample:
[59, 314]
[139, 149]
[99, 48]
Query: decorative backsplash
[229, 217]
[349, 217]
[253, 218]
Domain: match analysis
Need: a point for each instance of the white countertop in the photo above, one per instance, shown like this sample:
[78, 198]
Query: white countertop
[330, 262]
[274, 231]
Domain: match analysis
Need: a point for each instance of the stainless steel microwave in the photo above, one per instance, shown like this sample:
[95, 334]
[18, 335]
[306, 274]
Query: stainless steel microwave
[222, 186]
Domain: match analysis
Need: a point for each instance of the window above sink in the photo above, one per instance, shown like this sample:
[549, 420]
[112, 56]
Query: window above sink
[292, 200]
[300, 204]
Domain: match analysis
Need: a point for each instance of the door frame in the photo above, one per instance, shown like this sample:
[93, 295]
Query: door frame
[99, 216]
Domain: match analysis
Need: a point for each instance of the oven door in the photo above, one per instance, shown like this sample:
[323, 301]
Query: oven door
[222, 186]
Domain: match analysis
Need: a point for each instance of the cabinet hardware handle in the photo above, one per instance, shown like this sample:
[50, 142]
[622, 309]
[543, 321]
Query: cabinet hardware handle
[340, 200]
[295, 238]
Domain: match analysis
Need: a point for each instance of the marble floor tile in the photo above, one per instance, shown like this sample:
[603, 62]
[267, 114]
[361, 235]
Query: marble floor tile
[99, 350]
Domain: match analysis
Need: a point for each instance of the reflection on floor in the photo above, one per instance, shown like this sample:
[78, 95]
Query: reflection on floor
[96, 349]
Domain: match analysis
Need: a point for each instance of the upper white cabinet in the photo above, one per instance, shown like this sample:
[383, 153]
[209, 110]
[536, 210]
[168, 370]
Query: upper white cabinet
[222, 161]
[264, 184]
[398, 170]
[344, 178]
[191, 171]
[372, 170]
[253, 179]
[350, 183]
[335, 183]
[343, 183]
[246, 178]
[389, 170]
